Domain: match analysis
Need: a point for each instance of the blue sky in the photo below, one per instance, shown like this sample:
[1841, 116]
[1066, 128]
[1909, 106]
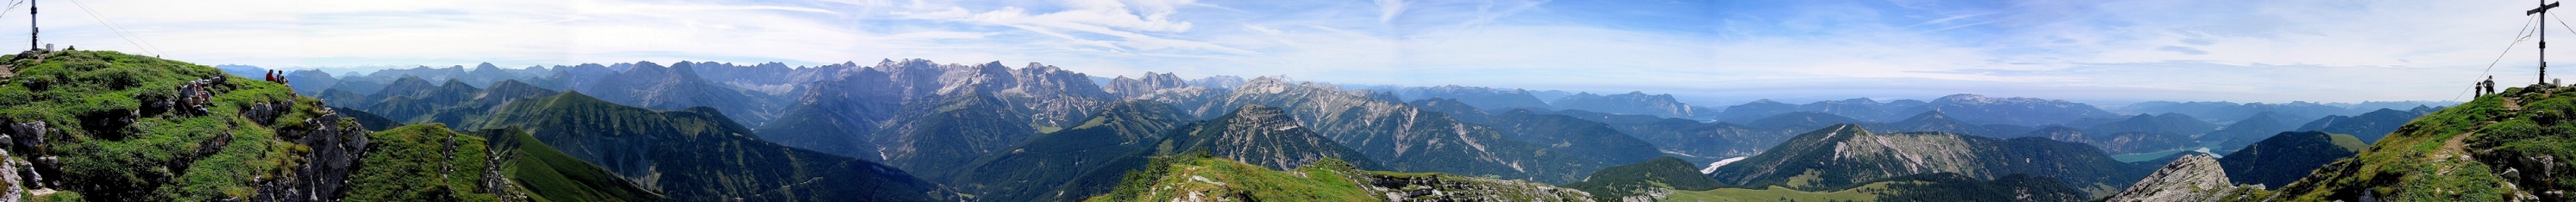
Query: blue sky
[1713, 52]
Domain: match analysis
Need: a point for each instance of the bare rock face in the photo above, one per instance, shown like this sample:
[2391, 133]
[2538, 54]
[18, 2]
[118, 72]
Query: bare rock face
[1268, 137]
[1457, 188]
[2195, 177]
[1124, 87]
[336, 148]
[266, 113]
[501, 186]
[27, 135]
[14, 182]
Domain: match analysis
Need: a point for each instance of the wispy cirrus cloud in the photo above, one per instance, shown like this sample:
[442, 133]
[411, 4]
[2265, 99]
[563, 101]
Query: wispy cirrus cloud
[1120, 26]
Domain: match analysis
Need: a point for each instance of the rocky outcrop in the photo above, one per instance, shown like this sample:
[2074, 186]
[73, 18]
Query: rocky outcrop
[24, 135]
[17, 185]
[1407, 138]
[2193, 178]
[265, 113]
[1219, 81]
[1052, 96]
[1124, 87]
[23, 174]
[1849, 155]
[1435, 187]
[493, 180]
[1265, 136]
[336, 147]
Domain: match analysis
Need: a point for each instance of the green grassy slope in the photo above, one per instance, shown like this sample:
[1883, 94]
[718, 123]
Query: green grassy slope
[421, 163]
[2494, 148]
[1612, 183]
[121, 129]
[549, 175]
[104, 118]
[1174, 178]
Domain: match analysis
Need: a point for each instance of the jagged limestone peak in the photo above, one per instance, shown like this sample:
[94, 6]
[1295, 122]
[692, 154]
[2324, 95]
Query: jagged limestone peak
[1258, 117]
[2194, 177]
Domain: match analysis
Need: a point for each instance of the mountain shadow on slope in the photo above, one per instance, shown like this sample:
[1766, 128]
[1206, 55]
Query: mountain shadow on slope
[1035, 170]
[1627, 182]
[934, 138]
[2284, 158]
[1254, 134]
[549, 174]
[1586, 139]
[698, 154]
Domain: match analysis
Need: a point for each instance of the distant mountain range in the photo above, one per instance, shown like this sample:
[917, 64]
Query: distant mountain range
[1392, 132]
[2228, 111]
[1847, 155]
[2284, 158]
[1076, 162]
[948, 131]
[1857, 108]
[2370, 127]
[1481, 97]
[682, 153]
[1631, 103]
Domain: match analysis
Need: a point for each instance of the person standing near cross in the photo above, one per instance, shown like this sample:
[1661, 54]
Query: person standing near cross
[2486, 87]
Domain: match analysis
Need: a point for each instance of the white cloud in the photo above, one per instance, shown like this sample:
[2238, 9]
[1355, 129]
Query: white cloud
[1261, 29]
[1129, 26]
